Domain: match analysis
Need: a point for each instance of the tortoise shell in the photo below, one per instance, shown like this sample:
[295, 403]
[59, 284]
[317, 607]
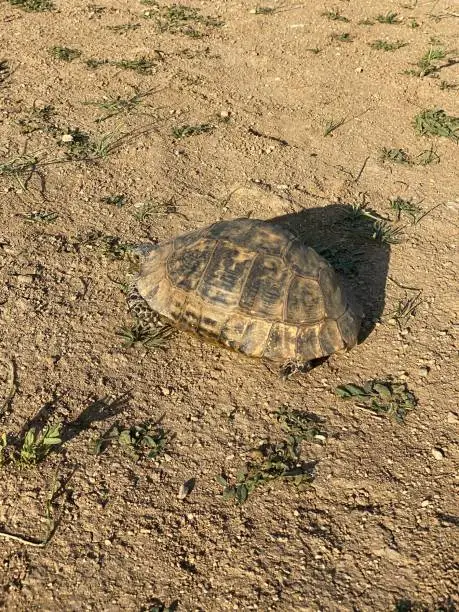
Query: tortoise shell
[253, 287]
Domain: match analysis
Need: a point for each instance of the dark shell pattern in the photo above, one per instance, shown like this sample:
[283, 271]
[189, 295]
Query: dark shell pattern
[253, 287]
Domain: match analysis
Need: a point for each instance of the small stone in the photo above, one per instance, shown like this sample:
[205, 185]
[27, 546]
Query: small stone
[423, 372]
[186, 488]
[359, 69]
[452, 418]
[25, 279]
[67, 138]
[107, 542]
[438, 454]
[425, 503]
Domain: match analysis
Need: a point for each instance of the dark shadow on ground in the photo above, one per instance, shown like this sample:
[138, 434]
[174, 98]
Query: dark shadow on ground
[99, 410]
[344, 237]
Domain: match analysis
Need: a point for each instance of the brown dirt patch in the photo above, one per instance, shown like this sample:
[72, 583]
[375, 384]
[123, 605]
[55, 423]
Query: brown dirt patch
[377, 529]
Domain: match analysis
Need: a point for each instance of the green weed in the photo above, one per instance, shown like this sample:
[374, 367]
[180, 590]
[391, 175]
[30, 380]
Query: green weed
[144, 211]
[302, 425]
[405, 207]
[335, 15]
[386, 233]
[264, 10]
[38, 444]
[42, 216]
[144, 440]
[397, 156]
[33, 5]
[343, 37]
[113, 106]
[33, 448]
[118, 200]
[446, 85]
[428, 62]
[435, 122]
[185, 131]
[39, 118]
[269, 462]
[19, 165]
[150, 337]
[181, 19]
[81, 147]
[65, 53]
[111, 246]
[383, 398]
[384, 45]
[123, 27]
[406, 309]
[142, 65]
[389, 17]
[333, 125]
[400, 156]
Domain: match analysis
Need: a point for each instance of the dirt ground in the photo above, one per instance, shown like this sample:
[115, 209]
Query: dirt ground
[377, 527]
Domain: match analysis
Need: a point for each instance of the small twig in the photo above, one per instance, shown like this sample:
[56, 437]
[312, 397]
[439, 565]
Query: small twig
[357, 178]
[428, 212]
[404, 286]
[24, 540]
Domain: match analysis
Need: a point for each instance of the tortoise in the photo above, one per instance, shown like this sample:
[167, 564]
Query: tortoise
[252, 286]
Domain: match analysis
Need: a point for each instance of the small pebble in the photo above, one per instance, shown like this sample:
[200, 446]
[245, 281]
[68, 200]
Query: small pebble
[438, 454]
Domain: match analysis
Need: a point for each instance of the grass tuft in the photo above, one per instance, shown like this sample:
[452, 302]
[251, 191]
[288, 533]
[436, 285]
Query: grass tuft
[343, 37]
[384, 45]
[435, 122]
[386, 233]
[185, 131]
[123, 27]
[41, 216]
[181, 19]
[405, 207]
[150, 337]
[333, 125]
[400, 156]
[118, 200]
[389, 17]
[335, 15]
[113, 106]
[33, 5]
[65, 54]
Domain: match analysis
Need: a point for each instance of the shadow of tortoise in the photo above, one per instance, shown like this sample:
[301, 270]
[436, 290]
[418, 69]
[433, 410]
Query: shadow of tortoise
[346, 239]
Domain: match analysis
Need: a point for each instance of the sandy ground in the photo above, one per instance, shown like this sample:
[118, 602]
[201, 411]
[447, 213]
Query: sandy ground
[377, 527]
